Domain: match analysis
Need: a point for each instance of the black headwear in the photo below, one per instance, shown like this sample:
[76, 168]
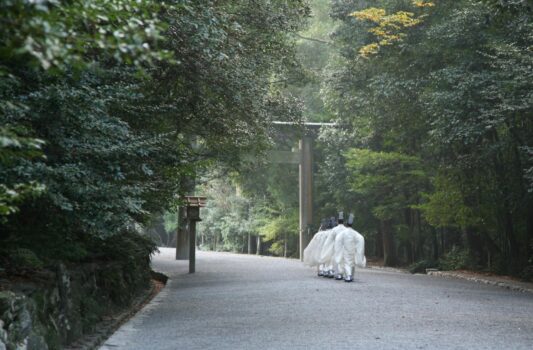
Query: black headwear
[350, 220]
[331, 222]
[341, 217]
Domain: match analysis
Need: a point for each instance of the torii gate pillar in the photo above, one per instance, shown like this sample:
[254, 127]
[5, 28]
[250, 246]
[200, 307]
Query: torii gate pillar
[306, 191]
[305, 160]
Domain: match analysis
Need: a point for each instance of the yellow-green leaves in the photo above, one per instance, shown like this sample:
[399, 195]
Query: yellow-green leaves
[388, 28]
[423, 3]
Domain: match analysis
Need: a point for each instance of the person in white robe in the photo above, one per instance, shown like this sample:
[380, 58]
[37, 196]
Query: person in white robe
[312, 251]
[353, 250]
[327, 253]
[338, 255]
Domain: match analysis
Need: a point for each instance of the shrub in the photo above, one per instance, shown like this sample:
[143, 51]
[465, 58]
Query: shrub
[456, 259]
[24, 258]
[422, 265]
[527, 274]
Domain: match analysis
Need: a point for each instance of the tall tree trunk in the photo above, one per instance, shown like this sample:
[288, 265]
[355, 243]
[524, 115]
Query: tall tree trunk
[501, 169]
[529, 233]
[378, 244]
[410, 248]
[473, 244]
[285, 245]
[389, 251]
[258, 251]
[443, 241]
[249, 243]
[420, 241]
[435, 243]
[514, 262]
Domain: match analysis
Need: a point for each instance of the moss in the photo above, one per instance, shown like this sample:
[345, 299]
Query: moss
[24, 258]
[91, 311]
[67, 302]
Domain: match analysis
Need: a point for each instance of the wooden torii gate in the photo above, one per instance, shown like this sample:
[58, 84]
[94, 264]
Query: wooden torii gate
[304, 158]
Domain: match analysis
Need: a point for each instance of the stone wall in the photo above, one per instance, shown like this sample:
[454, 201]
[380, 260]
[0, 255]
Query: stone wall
[51, 308]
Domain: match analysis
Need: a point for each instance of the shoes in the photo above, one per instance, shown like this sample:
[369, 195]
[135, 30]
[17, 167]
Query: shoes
[331, 274]
[338, 277]
[320, 273]
[348, 279]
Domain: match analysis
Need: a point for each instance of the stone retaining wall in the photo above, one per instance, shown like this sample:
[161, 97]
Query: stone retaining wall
[50, 309]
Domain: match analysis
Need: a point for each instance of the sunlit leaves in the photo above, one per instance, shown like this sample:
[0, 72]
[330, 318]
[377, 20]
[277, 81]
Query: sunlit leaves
[388, 29]
[419, 3]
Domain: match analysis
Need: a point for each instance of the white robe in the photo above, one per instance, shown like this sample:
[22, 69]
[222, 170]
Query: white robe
[353, 246]
[312, 251]
[338, 251]
[327, 252]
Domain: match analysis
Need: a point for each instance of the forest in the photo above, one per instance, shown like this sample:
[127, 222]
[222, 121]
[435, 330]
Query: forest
[111, 111]
[433, 148]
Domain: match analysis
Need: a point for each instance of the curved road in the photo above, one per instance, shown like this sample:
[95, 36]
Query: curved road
[248, 302]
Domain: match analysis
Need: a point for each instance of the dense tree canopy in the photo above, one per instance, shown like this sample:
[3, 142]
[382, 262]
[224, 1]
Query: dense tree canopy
[106, 106]
[454, 90]
[433, 149]
[110, 108]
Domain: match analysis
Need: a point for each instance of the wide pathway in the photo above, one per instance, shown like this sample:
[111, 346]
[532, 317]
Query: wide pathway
[248, 302]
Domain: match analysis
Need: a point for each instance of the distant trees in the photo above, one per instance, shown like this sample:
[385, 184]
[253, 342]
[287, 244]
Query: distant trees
[454, 91]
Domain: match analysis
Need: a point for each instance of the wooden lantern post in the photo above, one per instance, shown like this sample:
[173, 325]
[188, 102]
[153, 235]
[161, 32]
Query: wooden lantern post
[192, 214]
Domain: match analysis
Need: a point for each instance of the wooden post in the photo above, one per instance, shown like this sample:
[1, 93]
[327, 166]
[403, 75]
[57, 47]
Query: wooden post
[305, 160]
[192, 215]
[187, 184]
[306, 192]
[192, 246]
[182, 236]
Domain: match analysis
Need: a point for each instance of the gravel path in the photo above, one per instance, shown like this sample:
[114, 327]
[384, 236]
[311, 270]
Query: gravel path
[248, 302]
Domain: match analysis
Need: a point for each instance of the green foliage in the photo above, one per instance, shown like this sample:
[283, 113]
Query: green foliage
[314, 51]
[227, 220]
[23, 258]
[100, 101]
[56, 33]
[453, 91]
[456, 259]
[333, 175]
[279, 230]
[390, 181]
[170, 221]
[422, 265]
[445, 206]
[260, 201]
[527, 274]
[128, 246]
[14, 147]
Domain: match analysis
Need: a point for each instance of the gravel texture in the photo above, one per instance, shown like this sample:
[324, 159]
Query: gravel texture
[248, 302]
